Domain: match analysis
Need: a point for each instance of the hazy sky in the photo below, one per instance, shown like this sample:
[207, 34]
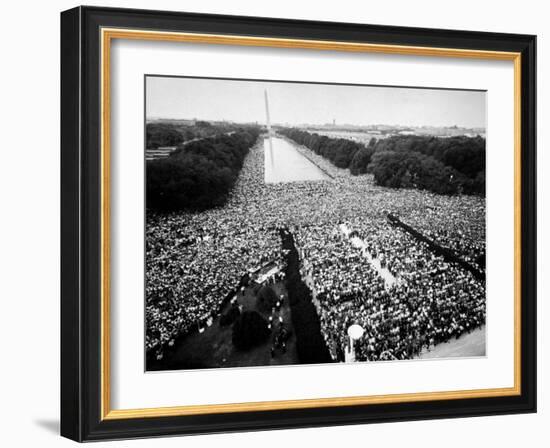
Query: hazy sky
[297, 103]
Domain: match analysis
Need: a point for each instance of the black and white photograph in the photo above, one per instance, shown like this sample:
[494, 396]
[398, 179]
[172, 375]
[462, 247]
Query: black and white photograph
[288, 220]
[303, 223]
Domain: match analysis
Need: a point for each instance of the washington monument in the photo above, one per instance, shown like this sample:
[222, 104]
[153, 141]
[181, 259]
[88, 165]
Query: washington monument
[268, 121]
[268, 124]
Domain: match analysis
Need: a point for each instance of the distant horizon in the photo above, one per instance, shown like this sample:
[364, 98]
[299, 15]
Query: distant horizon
[313, 104]
[337, 125]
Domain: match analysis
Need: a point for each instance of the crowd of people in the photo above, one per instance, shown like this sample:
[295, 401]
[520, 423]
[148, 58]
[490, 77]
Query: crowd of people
[430, 302]
[194, 260]
[460, 229]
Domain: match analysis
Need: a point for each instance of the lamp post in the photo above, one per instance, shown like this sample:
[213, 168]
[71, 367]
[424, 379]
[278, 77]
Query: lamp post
[355, 332]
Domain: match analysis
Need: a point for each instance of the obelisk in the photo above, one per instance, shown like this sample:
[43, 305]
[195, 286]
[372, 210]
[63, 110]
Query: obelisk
[268, 121]
[269, 132]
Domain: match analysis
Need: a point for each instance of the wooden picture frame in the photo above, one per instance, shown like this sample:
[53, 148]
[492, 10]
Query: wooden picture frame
[86, 35]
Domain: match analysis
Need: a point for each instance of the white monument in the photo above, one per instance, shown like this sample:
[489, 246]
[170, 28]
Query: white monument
[268, 121]
[269, 131]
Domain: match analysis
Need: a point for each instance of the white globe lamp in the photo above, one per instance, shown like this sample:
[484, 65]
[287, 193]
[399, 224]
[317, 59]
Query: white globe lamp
[355, 332]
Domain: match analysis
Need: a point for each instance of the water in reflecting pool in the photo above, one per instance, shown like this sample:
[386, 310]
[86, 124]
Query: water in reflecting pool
[283, 163]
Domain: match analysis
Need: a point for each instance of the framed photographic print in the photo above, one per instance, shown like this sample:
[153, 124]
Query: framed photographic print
[274, 224]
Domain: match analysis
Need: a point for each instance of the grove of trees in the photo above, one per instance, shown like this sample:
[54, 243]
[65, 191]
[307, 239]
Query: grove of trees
[200, 174]
[452, 165]
[174, 132]
[266, 299]
[161, 134]
[250, 329]
[341, 152]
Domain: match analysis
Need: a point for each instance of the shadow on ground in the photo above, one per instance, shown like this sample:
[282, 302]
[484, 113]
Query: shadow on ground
[49, 425]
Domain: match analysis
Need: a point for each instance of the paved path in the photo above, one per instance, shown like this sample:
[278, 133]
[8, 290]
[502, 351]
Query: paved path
[383, 272]
[467, 345]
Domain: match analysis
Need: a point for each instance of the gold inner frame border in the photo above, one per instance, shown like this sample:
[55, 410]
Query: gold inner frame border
[107, 36]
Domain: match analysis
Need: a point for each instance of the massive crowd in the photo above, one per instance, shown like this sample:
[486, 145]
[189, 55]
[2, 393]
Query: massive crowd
[461, 229]
[431, 300]
[195, 260]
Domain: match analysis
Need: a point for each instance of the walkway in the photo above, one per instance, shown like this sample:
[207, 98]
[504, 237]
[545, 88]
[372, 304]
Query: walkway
[357, 242]
[467, 345]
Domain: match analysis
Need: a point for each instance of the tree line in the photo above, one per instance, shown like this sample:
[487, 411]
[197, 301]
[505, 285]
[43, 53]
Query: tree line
[200, 174]
[452, 165]
[342, 152]
[173, 133]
